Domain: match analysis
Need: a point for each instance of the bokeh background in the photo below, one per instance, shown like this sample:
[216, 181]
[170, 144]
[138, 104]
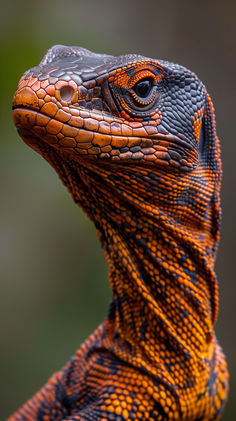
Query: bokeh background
[53, 276]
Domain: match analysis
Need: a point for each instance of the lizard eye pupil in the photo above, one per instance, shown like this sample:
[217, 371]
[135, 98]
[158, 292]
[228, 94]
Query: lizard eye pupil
[143, 87]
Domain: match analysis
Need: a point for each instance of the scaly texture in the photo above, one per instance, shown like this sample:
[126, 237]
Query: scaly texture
[134, 141]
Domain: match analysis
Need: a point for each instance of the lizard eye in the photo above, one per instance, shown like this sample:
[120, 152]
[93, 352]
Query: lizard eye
[137, 89]
[143, 92]
[143, 87]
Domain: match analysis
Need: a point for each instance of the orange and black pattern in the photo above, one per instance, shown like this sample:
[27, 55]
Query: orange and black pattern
[134, 141]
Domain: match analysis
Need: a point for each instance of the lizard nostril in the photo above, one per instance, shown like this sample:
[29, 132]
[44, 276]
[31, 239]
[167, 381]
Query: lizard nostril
[66, 93]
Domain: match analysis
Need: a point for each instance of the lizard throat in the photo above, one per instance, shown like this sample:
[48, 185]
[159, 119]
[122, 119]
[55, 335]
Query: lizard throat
[162, 280]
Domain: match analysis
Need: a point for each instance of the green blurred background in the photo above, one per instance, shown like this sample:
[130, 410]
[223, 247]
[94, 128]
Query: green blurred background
[53, 277]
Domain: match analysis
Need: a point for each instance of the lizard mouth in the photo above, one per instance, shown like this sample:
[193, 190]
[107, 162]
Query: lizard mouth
[63, 135]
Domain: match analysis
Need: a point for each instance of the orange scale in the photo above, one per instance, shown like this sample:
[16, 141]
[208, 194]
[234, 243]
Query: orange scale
[136, 125]
[75, 121]
[36, 86]
[44, 84]
[42, 120]
[69, 131]
[48, 98]
[84, 136]
[64, 117]
[91, 124]
[50, 89]
[32, 81]
[49, 108]
[41, 93]
[116, 402]
[68, 142]
[149, 158]
[104, 127]
[54, 127]
[118, 410]
[125, 414]
[111, 408]
[116, 129]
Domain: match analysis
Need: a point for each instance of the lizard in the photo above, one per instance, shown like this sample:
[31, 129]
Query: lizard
[134, 141]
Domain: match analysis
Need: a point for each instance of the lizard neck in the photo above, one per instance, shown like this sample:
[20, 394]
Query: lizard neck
[164, 288]
[160, 253]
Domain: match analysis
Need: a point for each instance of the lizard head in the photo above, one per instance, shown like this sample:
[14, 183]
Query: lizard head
[143, 126]
[112, 108]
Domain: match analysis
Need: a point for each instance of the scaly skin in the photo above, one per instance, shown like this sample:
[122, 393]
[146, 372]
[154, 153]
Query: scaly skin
[134, 141]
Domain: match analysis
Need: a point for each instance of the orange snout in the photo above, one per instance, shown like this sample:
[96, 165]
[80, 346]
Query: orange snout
[25, 97]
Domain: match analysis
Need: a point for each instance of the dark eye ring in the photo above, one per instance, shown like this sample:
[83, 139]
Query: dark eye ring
[143, 87]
